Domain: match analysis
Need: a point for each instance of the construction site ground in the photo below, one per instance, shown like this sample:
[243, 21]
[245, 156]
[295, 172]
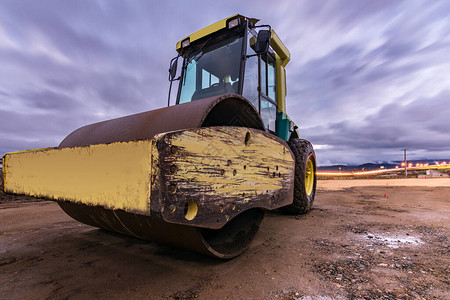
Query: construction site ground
[372, 239]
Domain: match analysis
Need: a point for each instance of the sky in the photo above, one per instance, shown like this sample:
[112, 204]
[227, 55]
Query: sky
[366, 78]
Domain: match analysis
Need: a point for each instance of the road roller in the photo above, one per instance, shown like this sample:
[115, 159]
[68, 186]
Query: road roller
[198, 174]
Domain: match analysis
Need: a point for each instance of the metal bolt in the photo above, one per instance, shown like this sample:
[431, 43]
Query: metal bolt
[173, 169]
[172, 188]
[174, 149]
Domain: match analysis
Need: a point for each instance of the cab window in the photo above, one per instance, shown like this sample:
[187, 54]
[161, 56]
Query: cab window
[250, 87]
[271, 91]
[268, 92]
[211, 69]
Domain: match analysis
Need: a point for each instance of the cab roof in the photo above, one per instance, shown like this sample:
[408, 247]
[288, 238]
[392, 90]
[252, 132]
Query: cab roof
[275, 41]
[213, 28]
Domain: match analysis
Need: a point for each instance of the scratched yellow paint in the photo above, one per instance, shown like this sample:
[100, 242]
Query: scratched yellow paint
[207, 152]
[155, 172]
[114, 175]
[204, 32]
[123, 175]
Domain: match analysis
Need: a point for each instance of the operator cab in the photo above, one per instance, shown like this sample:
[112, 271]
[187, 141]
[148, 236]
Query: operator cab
[229, 60]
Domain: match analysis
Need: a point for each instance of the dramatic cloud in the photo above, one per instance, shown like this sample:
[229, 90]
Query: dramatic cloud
[366, 78]
[424, 128]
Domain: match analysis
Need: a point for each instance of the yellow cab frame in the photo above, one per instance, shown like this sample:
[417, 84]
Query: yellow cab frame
[278, 55]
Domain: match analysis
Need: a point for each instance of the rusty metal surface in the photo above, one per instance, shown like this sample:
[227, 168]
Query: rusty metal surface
[144, 227]
[227, 242]
[226, 110]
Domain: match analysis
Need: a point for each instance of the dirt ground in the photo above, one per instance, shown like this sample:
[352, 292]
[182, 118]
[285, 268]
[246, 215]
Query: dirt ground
[376, 239]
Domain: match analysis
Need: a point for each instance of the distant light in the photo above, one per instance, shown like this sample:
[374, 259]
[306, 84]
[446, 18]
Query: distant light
[396, 167]
[233, 23]
[185, 43]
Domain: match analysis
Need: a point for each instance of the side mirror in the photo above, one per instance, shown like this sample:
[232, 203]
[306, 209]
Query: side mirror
[173, 68]
[262, 41]
[172, 74]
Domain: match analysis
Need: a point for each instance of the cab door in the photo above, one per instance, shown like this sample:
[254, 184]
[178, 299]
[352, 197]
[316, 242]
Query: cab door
[260, 83]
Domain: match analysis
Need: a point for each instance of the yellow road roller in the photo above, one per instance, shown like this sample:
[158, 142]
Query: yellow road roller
[198, 174]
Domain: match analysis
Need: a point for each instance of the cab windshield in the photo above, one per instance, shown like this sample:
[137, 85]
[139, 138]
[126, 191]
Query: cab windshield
[211, 70]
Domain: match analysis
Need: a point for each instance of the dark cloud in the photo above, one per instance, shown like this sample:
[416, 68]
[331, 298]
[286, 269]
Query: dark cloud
[365, 78]
[420, 126]
[22, 131]
[380, 88]
[48, 100]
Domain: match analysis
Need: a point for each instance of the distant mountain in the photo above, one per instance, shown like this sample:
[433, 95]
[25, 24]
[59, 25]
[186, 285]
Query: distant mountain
[378, 165]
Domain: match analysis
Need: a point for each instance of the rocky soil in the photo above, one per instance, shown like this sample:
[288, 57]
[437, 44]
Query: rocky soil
[360, 241]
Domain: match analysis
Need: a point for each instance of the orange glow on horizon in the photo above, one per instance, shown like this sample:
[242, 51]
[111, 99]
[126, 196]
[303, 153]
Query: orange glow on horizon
[378, 171]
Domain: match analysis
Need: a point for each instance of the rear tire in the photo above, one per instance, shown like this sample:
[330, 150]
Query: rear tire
[305, 180]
